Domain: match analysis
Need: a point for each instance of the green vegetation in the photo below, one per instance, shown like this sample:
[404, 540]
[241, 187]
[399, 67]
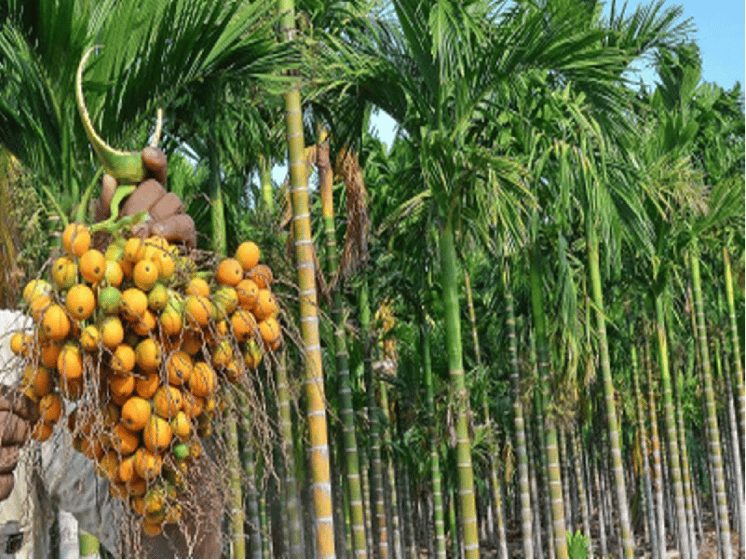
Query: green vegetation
[585, 234]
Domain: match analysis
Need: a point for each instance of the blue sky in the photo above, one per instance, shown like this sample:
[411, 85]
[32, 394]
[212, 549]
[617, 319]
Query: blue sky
[719, 33]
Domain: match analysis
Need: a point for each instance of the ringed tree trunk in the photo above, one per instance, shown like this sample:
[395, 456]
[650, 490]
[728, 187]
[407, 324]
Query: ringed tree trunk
[467, 502]
[347, 414]
[620, 489]
[714, 446]
[549, 440]
[736, 349]
[304, 262]
[435, 473]
[520, 431]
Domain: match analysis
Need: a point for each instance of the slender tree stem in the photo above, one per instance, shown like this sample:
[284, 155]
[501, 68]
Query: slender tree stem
[550, 431]
[715, 449]
[347, 414]
[520, 432]
[628, 542]
[309, 321]
[467, 503]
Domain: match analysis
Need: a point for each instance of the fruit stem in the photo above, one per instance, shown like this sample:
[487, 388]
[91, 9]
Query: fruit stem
[125, 167]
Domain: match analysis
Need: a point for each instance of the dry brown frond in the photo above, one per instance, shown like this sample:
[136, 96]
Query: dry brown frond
[355, 251]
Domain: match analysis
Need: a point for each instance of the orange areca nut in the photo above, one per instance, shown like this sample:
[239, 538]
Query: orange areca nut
[64, 271]
[80, 302]
[247, 292]
[147, 465]
[157, 434]
[229, 272]
[244, 324]
[180, 425]
[134, 303]
[123, 440]
[145, 275]
[35, 288]
[134, 250]
[92, 265]
[271, 333]
[192, 405]
[136, 412]
[266, 306]
[197, 287]
[70, 363]
[89, 338]
[165, 264]
[191, 342]
[148, 354]
[76, 239]
[114, 273]
[55, 323]
[42, 431]
[179, 368]
[167, 401]
[51, 408]
[248, 255]
[145, 324]
[41, 380]
[112, 332]
[198, 310]
[148, 385]
[72, 388]
[262, 276]
[126, 470]
[121, 385]
[202, 381]
[170, 321]
[50, 351]
[123, 359]
[39, 306]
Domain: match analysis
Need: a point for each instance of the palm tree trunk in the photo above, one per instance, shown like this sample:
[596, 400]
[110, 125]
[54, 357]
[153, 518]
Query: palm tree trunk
[600, 495]
[347, 414]
[550, 431]
[648, 503]
[715, 450]
[520, 432]
[660, 524]
[669, 416]
[435, 476]
[378, 506]
[499, 523]
[686, 480]
[393, 515]
[582, 487]
[265, 177]
[309, 321]
[292, 505]
[237, 513]
[735, 348]
[737, 458]
[467, 503]
[628, 541]
[252, 493]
